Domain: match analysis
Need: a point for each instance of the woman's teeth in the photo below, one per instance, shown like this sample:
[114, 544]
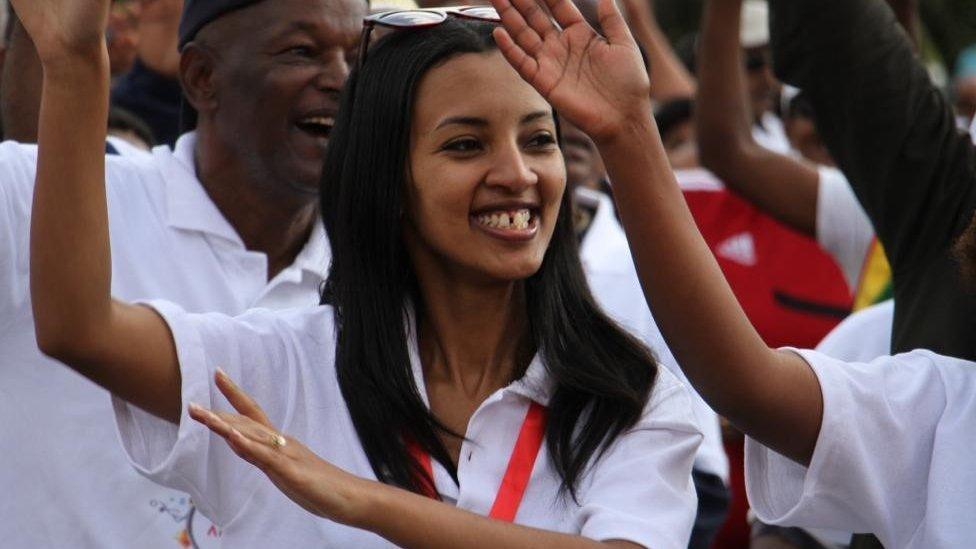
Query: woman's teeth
[517, 220]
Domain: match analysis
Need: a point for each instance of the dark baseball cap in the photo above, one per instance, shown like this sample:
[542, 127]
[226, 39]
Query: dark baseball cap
[198, 13]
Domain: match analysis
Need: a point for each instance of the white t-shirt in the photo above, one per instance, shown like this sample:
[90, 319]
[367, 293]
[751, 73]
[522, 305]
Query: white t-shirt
[67, 482]
[894, 454]
[614, 283]
[863, 336]
[843, 228]
[641, 490]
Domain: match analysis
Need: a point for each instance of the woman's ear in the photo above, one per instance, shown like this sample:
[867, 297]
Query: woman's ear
[197, 77]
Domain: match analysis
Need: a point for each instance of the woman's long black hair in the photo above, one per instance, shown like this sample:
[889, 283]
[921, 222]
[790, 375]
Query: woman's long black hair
[601, 376]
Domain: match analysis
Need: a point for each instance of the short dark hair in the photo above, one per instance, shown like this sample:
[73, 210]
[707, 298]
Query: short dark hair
[601, 376]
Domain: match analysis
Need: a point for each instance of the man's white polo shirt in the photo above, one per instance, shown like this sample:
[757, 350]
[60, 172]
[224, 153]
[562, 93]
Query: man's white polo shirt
[894, 454]
[65, 478]
[641, 490]
[613, 280]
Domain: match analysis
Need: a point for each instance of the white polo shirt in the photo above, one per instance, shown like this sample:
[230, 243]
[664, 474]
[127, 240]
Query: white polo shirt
[613, 280]
[66, 481]
[894, 454]
[641, 490]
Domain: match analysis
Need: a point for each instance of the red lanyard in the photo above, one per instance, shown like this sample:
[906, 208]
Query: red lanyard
[520, 465]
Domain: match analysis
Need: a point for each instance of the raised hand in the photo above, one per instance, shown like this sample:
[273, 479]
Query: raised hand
[316, 485]
[62, 29]
[598, 83]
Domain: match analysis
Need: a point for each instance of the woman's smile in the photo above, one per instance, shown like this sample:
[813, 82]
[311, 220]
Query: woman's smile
[513, 225]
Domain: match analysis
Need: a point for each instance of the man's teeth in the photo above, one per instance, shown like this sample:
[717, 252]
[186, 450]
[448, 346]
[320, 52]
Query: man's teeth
[322, 124]
[518, 220]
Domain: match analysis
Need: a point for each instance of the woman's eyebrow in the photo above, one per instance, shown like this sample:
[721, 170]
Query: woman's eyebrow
[462, 121]
[532, 117]
[482, 122]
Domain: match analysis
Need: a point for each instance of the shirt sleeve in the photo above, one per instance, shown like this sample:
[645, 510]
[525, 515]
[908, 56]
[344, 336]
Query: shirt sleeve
[843, 229]
[870, 469]
[17, 168]
[891, 131]
[642, 489]
[271, 355]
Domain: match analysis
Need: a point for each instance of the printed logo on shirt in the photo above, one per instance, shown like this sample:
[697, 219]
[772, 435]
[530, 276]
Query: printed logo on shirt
[740, 248]
[195, 531]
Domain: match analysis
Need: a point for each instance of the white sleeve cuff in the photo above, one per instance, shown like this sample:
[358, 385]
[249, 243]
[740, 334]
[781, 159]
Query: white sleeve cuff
[155, 446]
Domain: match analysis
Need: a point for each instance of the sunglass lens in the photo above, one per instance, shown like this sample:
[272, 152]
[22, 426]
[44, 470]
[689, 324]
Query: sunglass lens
[486, 13]
[411, 18]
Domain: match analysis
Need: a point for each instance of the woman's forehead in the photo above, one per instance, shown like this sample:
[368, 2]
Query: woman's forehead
[481, 85]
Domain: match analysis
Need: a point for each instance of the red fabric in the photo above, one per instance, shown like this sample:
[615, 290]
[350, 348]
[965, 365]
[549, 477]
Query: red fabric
[735, 533]
[520, 465]
[790, 270]
[517, 474]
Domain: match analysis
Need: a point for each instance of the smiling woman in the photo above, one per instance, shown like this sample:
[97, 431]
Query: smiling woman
[460, 368]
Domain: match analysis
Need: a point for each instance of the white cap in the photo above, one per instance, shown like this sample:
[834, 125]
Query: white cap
[754, 27]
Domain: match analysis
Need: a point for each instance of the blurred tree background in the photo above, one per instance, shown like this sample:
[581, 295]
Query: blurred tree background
[948, 26]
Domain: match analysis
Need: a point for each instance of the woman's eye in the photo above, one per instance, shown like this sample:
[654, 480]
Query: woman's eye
[463, 145]
[540, 140]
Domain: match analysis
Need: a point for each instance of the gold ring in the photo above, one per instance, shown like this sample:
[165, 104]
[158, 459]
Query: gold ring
[278, 441]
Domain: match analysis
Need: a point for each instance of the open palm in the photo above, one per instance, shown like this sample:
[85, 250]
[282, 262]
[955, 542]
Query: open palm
[61, 28]
[597, 83]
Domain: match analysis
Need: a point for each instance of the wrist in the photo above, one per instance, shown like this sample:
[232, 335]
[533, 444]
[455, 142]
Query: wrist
[634, 128]
[362, 502]
[76, 61]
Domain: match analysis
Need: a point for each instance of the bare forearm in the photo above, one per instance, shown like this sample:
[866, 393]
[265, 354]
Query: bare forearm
[722, 113]
[410, 520]
[782, 186]
[705, 327]
[70, 257]
[671, 79]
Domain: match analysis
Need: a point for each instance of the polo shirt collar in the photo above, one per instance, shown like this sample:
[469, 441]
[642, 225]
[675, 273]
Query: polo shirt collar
[317, 253]
[188, 206]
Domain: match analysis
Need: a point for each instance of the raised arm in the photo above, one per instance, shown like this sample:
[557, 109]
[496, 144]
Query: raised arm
[891, 131]
[126, 349]
[782, 186]
[601, 86]
[671, 79]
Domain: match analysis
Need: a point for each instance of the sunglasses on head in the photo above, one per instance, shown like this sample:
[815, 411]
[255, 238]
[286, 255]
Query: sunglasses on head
[421, 19]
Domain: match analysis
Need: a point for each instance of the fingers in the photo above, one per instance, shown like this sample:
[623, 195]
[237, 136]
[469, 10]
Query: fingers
[613, 23]
[532, 12]
[247, 438]
[241, 401]
[528, 38]
[565, 12]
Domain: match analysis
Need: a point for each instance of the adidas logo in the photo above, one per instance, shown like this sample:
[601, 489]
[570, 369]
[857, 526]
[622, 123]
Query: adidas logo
[740, 248]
